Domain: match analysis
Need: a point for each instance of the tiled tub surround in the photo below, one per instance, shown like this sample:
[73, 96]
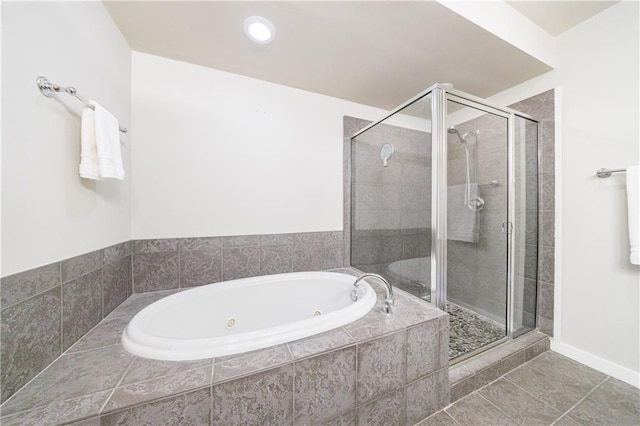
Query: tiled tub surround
[164, 264]
[378, 370]
[47, 309]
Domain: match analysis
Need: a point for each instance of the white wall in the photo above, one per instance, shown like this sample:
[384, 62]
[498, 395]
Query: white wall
[597, 294]
[221, 154]
[48, 212]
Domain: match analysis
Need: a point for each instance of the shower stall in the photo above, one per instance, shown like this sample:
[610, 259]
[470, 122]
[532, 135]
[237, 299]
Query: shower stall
[444, 204]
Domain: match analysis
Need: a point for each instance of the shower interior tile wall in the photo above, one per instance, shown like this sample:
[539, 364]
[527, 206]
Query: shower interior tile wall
[394, 216]
[542, 108]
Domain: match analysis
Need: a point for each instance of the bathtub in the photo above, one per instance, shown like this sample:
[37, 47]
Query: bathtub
[243, 315]
[411, 271]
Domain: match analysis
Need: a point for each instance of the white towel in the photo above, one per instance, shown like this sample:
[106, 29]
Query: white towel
[633, 204]
[88, 150]
[101, 156]
[462, 222]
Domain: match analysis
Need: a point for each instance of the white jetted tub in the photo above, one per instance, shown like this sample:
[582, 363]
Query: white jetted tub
[243, 315]
[412, 271]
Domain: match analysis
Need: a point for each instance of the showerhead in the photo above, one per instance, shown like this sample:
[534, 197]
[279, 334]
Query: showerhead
[453, 130]
[463, 138]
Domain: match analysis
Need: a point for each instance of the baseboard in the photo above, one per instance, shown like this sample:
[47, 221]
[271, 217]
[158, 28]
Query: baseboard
[607, 367]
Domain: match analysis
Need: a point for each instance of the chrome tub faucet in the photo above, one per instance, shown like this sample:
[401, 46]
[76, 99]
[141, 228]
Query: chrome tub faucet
[388, 301]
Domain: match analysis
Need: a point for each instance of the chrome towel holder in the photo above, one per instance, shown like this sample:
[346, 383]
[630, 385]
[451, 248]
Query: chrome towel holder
[47, 88]
[605, 173]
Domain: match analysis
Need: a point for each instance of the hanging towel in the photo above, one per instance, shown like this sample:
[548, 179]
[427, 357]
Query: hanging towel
[633, 204]
[101, 156]
[88, 150]
[462, 222]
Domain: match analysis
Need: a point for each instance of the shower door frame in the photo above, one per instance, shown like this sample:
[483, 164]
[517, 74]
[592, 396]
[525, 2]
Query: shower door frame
[440, 95]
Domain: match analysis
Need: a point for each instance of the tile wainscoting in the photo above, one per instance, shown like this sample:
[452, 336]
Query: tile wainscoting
[47, 309]
[164, 264]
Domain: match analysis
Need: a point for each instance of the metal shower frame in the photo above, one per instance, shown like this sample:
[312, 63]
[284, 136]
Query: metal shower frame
[440, 94]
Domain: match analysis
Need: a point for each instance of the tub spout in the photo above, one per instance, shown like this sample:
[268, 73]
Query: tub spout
[388, 302]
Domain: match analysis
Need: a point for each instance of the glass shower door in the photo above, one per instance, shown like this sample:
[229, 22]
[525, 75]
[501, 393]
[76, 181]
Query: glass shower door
[477, 226]
[525, 266]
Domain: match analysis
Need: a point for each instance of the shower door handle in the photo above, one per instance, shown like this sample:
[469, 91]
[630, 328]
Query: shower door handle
[507, 227]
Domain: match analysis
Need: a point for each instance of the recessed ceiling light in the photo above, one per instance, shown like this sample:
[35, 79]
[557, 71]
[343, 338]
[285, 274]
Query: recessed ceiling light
[259, 29]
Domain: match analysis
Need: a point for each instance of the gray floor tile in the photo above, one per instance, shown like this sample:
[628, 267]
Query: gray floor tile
[578, 376]
[612, 403]
[550, 389]
[441, 418]
[566, 420]
[474, 410]
[518, 404]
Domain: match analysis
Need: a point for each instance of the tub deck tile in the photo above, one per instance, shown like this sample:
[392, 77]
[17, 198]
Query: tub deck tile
[106, 333]
[374, 330]
[264, 398]
[329, 340]
[347, 419]
[72, 376]
[137, 302]
[96, 377]
[70, 410]
[324, 386]
[193, 408]
[149, 390]
[145, 369]
[235, 366]
[381, 366]
[387, 410]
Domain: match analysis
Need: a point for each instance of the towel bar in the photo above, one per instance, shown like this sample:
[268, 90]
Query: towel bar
[47, 88]
[605, 173]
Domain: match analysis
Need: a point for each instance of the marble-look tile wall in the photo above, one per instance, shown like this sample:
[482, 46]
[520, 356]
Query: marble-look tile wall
[393, 215]
[164, 264]
[47, 309]
[542, 108]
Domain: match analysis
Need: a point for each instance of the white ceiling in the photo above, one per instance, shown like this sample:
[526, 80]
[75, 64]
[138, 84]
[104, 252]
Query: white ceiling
[556, 17]
[374, 53]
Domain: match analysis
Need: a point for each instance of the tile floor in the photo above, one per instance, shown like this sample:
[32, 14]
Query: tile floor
[548, 390]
